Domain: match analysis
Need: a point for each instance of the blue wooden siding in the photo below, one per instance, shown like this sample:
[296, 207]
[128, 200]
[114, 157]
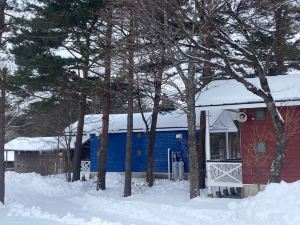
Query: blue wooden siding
[117, 147]
[94, 146]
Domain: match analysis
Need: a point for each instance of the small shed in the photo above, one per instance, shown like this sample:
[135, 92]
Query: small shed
[43, 155]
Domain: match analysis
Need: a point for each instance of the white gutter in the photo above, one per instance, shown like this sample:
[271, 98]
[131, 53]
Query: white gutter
[169, 166]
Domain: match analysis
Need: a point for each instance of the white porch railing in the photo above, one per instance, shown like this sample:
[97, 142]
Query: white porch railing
[85, 169]
[85, 166]
[224, 173]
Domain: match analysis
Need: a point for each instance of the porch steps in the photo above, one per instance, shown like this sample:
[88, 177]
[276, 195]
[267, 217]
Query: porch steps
[229, 193]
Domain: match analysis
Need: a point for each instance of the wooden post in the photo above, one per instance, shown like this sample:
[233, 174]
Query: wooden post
[207, 150]
[207, 138]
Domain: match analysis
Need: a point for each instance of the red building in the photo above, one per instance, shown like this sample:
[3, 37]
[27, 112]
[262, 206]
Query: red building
[258, 130]
[244, 159]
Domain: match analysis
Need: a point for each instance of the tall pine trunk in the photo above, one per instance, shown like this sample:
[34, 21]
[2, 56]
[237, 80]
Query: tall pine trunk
[2, 19]
[128, 161]
[81, 114]
[2, 136]
[106, 104]
[280, 40]
[154, 117]
[207, 72]
[151, 142]
[192, 143]
[155, 111]
[78, 143]
[2, 108]
[201, 151]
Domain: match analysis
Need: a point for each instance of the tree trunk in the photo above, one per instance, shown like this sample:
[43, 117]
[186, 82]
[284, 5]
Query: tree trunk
[201, 151]
[281, 143]
[81, 114]
[276, 168]
[2, 18]
[280, 41]
[150, 145]
[128, 173]
[2, 108]
[106, 104]
[2, 136]
[155, 111]
[207, 72]
[152, 132]
[68, 165]
[78, 142]
[192, 143]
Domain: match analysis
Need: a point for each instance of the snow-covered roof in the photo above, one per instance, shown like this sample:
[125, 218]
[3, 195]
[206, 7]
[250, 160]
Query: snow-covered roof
[220, 120]
[36, 144]
[167, 121]
[222, 94]
[224, 122]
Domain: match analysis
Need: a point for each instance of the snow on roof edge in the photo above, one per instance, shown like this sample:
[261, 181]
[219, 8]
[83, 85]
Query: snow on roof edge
[249, 105]
[227, 93]
[37, 144]
[170, 121]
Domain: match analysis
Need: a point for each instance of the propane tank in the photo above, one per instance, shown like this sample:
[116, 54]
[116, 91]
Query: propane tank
[175, 172]
[181, 169]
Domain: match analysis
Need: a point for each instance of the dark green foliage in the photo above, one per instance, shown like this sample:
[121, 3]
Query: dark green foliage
[48, 117]
[272, 25]
[55, 26]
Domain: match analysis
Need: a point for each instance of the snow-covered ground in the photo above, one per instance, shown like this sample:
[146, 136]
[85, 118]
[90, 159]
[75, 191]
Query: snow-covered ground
[35, 200]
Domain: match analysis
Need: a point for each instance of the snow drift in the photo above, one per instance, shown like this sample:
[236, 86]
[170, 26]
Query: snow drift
[35, 200]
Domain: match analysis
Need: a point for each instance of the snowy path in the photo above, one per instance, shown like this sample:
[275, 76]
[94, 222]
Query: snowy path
[36, 200]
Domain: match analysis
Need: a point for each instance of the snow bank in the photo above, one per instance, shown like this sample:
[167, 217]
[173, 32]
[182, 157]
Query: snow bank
[278, 204]
[36, 212]
[34, 200]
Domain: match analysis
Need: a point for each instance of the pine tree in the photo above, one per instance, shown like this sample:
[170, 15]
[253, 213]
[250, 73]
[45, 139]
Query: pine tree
[55, 25]
[101, 184]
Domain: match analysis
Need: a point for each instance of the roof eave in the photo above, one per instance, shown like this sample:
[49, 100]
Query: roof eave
[245, 105]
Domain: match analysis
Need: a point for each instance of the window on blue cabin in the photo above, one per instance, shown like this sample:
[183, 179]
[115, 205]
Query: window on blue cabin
[259, 114]
[261, 147]
[138, 152]
[139, 135]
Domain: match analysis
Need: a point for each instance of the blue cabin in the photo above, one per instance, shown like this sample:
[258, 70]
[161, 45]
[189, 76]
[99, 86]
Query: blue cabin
[165, 141]
[170, 126]
[170, 140]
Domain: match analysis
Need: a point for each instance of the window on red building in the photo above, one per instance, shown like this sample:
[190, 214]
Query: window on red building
[260, 114]
[261, 147]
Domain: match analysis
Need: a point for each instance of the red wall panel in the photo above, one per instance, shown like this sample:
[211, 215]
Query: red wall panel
[256, 167]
